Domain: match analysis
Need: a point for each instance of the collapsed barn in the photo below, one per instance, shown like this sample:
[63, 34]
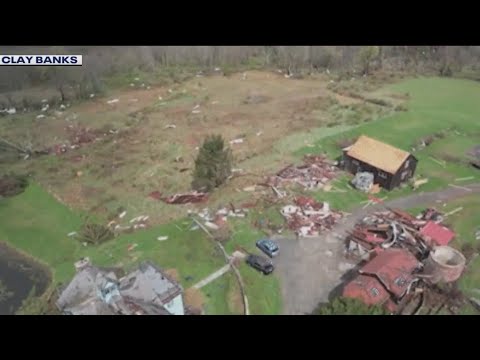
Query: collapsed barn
[389, 165]
[403, 255]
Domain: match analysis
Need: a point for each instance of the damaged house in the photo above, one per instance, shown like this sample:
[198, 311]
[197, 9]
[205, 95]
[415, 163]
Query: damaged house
[389, 165]
[384, 280]
[97, 291]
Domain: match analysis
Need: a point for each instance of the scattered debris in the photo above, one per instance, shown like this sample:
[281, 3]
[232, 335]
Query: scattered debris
[363, 181]
[122, 215]
[460, 187]
[192, 197]
[73, 233]
[250, 188]
[454, 211]
[259, 133]
[237, 141]
[62, 107]
[196, 111]
[113, 101]
[418, 183]
[309, 217]
[215, 102]
[131, 247]
[441, 163]
[45, 108]
[316, 172]
[162, 238]
[170, 126]
[465, 178]
[41, 116]
[92, 96]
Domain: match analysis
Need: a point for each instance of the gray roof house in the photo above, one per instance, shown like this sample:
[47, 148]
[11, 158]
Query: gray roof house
[97, 291]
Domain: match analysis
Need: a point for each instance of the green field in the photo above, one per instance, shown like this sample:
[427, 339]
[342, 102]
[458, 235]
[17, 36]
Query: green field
[449, 106]
[36, 223]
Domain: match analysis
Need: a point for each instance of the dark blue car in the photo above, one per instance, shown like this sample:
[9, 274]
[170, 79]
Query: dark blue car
[269, 247]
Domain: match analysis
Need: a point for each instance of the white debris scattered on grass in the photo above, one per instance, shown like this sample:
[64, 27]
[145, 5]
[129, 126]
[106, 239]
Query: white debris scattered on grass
[160, 98]
[44, 100]
[196, 107]
[237, 141]
[122, 215]
[332, 81]
[237, 170]
[196, 111]
[170, 91]
[143, 85]
[45, 108]
[41, 116]
[73, 233]
[162, 238]
[170, 126]
[148, 87]
[217, 69]
[211, 225]
[11, 111]
[197, 148]
[113, 101]
[132, 84]
[250, 188]
[137, 79]
[92, 96]
[62, 107]
[194, 227]
[259, 133]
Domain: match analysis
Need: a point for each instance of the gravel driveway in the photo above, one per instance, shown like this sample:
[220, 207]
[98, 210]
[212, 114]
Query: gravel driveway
[310, 268]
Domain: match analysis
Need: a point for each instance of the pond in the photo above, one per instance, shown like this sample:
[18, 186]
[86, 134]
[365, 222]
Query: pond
[19, 275]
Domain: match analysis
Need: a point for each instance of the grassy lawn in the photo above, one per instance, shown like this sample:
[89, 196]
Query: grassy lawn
[436, 105]
[37, 224]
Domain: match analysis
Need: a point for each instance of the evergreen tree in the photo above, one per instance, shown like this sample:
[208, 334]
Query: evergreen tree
[213, 164]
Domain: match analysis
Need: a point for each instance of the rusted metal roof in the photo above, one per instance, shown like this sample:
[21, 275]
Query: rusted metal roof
[367, 289]
[378, 154]
[439, 234]
[394, 268]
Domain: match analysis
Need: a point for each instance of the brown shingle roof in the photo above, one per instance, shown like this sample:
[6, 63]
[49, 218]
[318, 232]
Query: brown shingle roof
[378, 154]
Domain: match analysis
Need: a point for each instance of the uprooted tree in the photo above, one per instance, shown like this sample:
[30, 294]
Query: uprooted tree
[213, 164]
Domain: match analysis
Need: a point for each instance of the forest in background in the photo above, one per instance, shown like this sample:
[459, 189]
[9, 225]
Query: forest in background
[102, 63]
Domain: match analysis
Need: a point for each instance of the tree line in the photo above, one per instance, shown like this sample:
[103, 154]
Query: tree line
[103, 61]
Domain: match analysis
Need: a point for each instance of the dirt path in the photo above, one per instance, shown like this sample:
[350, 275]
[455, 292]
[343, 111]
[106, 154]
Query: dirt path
[310, 268]
[212, 277]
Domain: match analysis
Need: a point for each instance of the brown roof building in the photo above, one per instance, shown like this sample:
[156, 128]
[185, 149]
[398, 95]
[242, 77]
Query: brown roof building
[389, 165]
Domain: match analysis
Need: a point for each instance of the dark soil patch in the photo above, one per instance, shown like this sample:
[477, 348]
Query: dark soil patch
[11, 185]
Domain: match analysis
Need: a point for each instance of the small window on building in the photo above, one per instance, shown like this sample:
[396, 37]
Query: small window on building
[374, 292]
[404, 175]
[382, 174]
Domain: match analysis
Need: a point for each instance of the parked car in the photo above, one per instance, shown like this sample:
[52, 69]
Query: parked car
[260, 263]
[269, 247]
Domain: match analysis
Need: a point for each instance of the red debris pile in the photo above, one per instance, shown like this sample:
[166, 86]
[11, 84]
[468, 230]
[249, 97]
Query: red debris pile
[316, 172]
[397, 247]
[396, 228]
[187, 198]
[309, 217]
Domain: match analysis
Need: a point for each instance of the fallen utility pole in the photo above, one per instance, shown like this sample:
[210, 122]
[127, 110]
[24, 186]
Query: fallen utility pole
[229, 260]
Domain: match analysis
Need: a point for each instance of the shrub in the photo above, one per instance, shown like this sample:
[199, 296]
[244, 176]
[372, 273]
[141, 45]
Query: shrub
[94, 234]
[11, 185]
[213, 164]
[347, 306]
[401, 107]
